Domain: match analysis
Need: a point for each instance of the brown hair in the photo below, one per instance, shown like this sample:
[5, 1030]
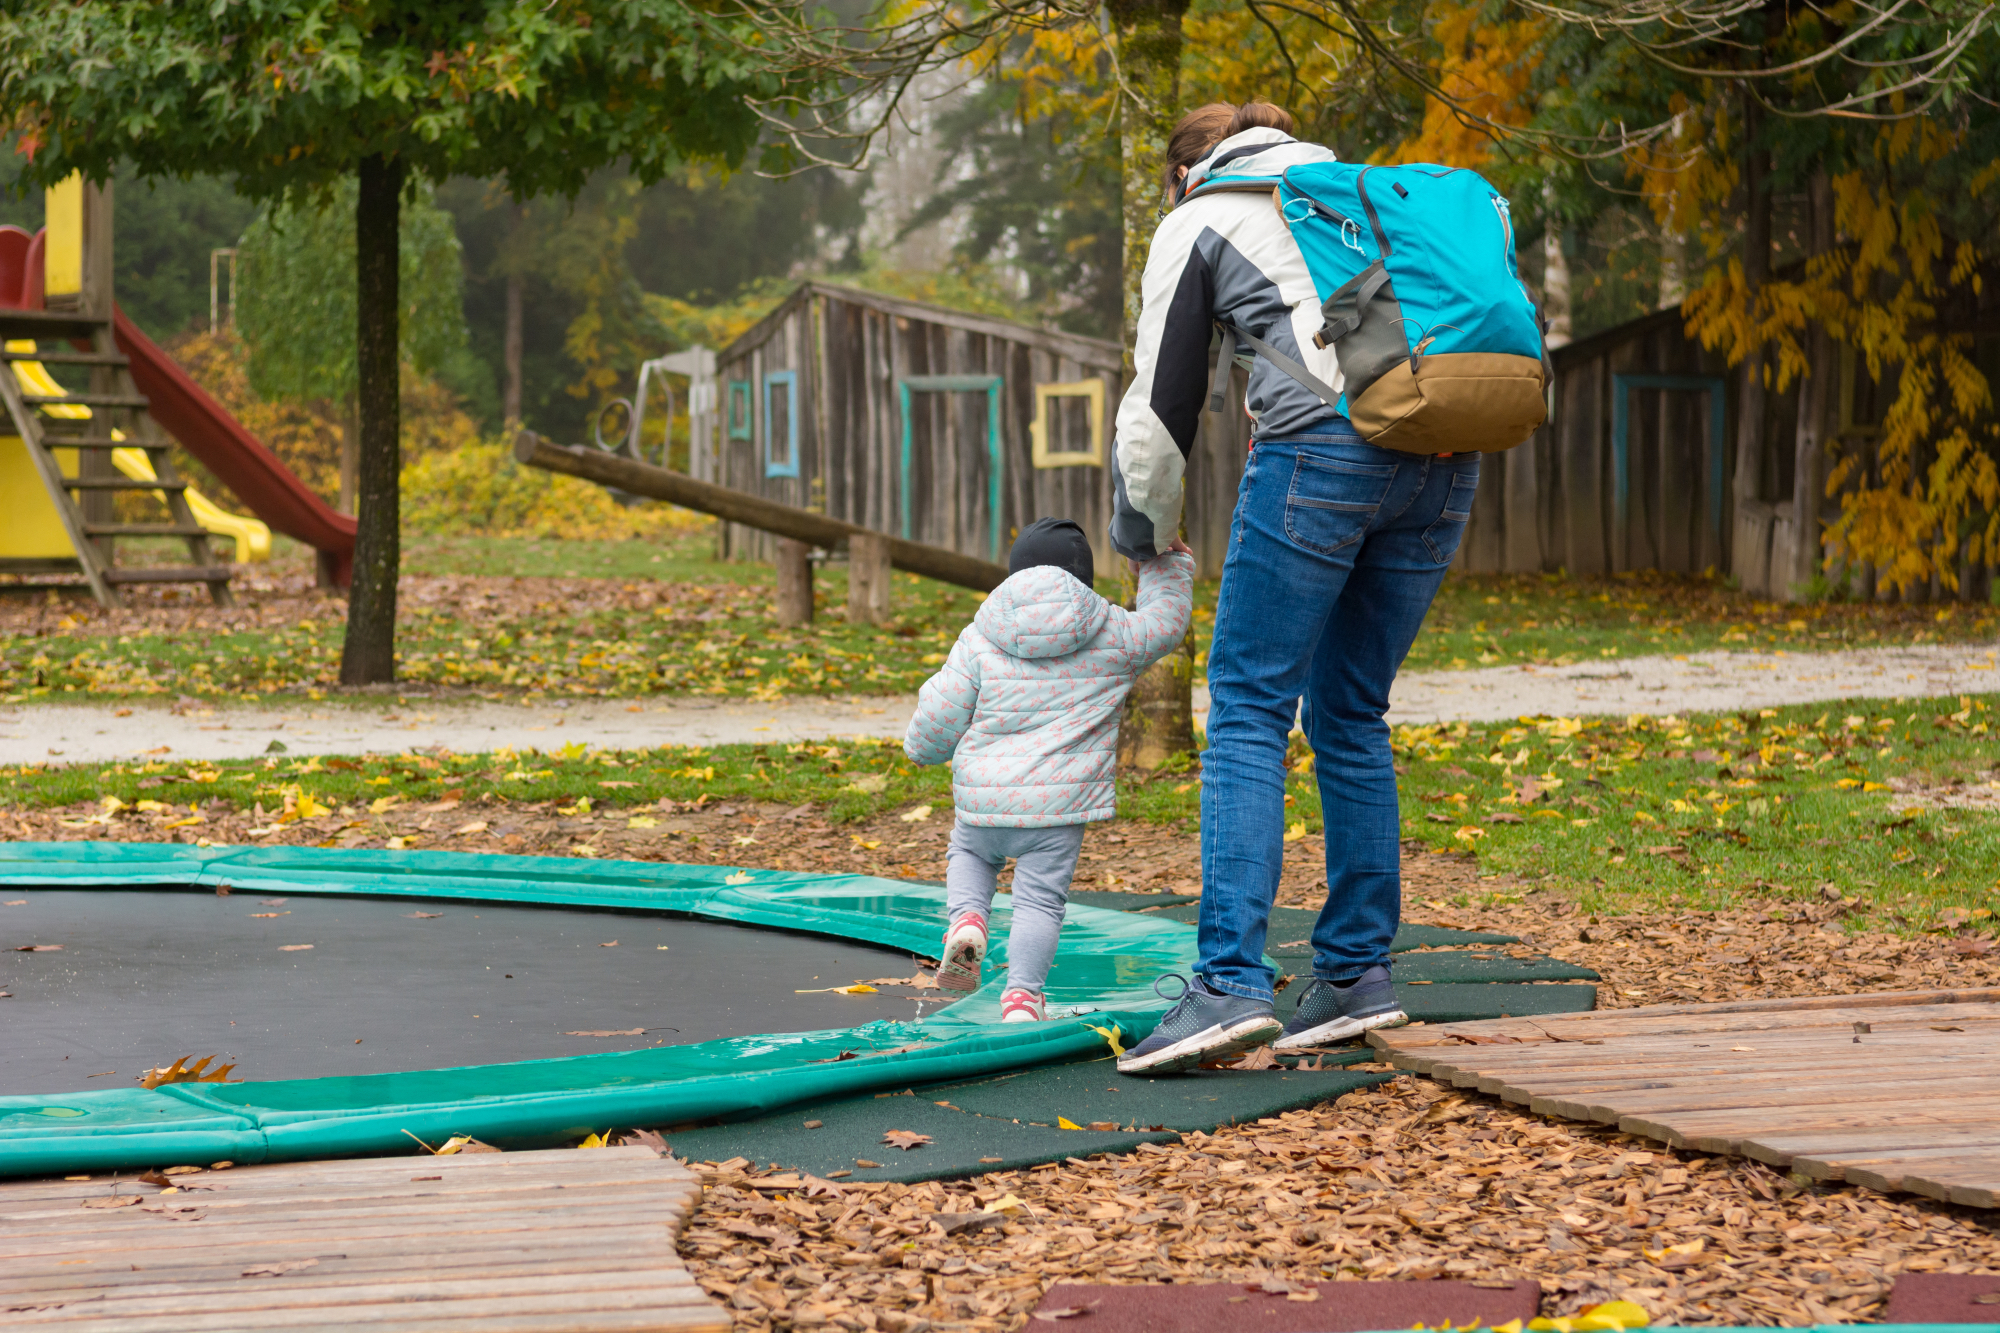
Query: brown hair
[1206, 126]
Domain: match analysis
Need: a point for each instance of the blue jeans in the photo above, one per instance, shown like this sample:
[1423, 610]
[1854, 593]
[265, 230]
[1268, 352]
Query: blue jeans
[1335, 552]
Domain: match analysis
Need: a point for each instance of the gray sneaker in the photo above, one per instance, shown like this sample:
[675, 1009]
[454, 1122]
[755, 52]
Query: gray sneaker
[1205, 1025]
[1336, 1013]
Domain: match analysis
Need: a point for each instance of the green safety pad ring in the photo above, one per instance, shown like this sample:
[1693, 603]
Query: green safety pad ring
[1107, 963]
[851, 1130]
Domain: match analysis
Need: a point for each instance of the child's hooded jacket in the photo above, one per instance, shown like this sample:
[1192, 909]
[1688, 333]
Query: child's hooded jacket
[1027, 705]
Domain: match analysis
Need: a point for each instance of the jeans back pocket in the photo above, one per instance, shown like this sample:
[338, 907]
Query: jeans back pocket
[1443, 536]
[1332, 501]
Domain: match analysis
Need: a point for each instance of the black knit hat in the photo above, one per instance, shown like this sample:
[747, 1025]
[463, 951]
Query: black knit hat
[1054, 541]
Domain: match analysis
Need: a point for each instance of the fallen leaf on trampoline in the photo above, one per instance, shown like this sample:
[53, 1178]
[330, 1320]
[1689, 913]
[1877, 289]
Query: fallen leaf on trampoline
[863, 1161]
[858, 988]
[608, 944]
[740, 877]
[272, 902]
[1066, 1312]
[270, 915]
[467, 830]
[921, 981]
[292, 948]
[15, 902]
[596, 1140]
[180, 1071]
[608, 1032]
[284, 1266]
[1064, 1122]
[422, 916]
[38, 948]
[111, 1201]
[906, 1139]
[1260, 1058]
[1987, 1298]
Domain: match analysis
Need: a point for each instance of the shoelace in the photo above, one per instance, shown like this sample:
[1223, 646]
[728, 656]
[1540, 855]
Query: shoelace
[1186, 986]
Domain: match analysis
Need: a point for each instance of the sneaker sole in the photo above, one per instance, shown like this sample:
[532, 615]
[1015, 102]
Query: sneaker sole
[1210, 1044]
[1339, 1030]
[960, 971]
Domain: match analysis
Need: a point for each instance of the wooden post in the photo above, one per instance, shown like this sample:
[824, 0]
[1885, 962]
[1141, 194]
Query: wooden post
[795, 582]
[867, 579]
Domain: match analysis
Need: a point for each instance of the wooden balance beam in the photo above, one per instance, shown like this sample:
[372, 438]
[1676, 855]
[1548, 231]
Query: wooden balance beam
[657, 483]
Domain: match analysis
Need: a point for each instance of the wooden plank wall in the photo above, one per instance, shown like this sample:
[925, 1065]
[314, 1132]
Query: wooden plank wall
[1549, 504]
[850, 353]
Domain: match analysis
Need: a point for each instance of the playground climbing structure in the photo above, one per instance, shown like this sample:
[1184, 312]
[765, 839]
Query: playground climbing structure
[72, 453]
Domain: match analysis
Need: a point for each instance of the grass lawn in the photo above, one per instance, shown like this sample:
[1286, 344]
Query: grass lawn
[1642, 813]
[632, 619]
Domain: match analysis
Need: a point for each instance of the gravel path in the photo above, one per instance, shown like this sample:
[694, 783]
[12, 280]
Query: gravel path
[1696, 683]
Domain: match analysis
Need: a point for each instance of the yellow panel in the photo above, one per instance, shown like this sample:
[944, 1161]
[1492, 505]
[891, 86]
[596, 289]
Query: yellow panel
[62, 262]
[1038, 429]
[33, 529]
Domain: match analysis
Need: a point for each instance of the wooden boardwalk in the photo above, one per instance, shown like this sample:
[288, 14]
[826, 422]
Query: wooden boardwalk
[1895, 1090]
[528, 1242]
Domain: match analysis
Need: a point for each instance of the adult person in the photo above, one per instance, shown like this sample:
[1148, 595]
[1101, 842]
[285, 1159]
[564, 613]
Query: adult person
[1336, 549]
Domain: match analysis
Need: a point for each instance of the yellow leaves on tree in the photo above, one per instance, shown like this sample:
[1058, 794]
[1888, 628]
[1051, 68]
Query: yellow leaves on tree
[1922, 494]
[1485, 69]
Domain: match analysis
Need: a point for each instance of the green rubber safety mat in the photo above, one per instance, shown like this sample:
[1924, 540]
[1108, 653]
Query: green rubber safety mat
[1456, 965]
[850, 1132]
[1296, 923]
[1094, 1091]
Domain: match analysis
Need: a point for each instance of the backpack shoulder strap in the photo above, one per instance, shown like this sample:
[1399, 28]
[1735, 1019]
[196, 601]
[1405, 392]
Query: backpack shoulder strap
[1321, 389]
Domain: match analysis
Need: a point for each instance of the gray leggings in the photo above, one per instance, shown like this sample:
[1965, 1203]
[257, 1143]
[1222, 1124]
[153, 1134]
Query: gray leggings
[1044, 860]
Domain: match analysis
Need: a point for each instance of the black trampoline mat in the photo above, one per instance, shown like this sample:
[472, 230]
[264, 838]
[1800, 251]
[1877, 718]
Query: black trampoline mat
[145, 976]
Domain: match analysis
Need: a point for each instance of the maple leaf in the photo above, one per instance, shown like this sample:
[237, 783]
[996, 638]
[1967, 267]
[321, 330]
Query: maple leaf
[645, 1138]
[1259, 1058]
[906, 1139]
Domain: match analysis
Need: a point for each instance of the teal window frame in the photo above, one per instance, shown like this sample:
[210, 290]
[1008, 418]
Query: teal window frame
[790, 380]
[990, 385]
[741, 406]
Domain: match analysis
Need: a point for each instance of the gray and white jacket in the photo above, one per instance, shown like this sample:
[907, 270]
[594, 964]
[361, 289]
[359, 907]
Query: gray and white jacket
[1226, 256]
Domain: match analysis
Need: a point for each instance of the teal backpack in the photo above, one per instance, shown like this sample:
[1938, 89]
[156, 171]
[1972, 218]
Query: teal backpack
[1440, 342]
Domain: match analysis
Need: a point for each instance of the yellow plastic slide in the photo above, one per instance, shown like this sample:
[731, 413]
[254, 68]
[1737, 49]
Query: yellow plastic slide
[252, 536]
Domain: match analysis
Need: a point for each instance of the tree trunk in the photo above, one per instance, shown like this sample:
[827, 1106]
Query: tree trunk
[369, 655]
[510, 346]
[1750, 551]
[1673, 270]
[1555, 270]
[350, 457]
[1159, 713]
[1816, 423]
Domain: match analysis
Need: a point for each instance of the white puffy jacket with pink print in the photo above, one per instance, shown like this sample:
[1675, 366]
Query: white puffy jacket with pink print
[1027, 705]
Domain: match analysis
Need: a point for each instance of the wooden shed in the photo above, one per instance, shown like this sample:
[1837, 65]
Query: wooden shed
[936, 425]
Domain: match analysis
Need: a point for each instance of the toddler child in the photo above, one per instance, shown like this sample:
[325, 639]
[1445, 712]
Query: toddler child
[1026, 708]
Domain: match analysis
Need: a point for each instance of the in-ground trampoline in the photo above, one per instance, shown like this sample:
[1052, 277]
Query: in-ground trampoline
[449, 993]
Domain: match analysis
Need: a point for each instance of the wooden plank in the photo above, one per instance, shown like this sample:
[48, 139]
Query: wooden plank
[1888, 1165]
[1628, 1059]
[1725, 1131]
[529, 1241]
[1783, 1149]
[1732, 1095]
[1578, 1028]
[1970, 1177]
[1420, 1034]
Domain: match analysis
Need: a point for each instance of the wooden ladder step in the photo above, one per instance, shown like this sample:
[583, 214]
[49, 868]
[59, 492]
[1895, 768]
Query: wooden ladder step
[122, 484]
[68, 358]
[83, 400]
[144, 530]
[52, 440]
[171, 574]
[51, 324]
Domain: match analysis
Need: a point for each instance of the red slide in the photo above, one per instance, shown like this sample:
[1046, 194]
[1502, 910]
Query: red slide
[207, 431]
[201, 425]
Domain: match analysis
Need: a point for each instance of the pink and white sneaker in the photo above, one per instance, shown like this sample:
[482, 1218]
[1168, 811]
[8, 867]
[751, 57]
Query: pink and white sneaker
[964, 950]
[1021, 1005]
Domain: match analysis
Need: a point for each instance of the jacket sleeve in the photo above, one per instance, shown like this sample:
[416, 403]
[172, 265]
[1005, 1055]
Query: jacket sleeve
[1166, 604]
[945, 705]
[1161, 410]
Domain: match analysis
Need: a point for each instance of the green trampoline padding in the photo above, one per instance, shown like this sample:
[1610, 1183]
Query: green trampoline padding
[1106, 966]
[1007, 1121]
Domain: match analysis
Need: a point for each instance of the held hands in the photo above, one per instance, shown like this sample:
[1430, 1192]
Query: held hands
[1175, 545]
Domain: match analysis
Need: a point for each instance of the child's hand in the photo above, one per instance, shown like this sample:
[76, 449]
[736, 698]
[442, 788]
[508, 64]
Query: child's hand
[1175, 545]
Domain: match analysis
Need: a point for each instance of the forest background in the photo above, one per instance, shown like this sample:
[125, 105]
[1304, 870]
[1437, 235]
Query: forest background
[1794, 205]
